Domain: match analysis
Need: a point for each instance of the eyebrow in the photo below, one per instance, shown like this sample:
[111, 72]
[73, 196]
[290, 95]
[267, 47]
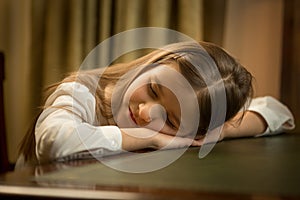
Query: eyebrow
[172, 118]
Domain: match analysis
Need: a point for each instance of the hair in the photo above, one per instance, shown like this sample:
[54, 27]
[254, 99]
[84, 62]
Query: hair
[236, 79]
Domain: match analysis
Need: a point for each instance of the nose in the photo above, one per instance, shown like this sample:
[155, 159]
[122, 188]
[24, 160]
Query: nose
[151, 115]
[144, 113]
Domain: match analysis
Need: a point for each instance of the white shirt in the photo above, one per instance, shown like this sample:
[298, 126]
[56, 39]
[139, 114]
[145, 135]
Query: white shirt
[277, 116]
[61, 134]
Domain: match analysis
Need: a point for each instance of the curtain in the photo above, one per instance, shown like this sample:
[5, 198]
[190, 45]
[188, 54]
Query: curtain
[45, 39]
[214, 12]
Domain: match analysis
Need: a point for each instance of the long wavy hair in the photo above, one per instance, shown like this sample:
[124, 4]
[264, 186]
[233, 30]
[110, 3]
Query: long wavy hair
[236, 79]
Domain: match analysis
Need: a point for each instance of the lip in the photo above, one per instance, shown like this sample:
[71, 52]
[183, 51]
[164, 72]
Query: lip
[132, 116]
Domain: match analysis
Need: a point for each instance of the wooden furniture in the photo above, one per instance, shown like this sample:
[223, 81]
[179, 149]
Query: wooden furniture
[290, 72]
[250, 168]
[4, 164]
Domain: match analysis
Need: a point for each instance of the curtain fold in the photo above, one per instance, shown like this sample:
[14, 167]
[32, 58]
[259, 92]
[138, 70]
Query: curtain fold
[15, 42]
[214, 12]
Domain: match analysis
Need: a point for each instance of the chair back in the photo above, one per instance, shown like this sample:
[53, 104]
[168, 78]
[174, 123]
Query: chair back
[4, 163]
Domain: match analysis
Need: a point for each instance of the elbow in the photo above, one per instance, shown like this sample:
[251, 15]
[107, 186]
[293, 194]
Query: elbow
[50, 139]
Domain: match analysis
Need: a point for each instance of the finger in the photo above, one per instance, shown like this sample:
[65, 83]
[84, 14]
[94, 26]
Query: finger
[197, 142]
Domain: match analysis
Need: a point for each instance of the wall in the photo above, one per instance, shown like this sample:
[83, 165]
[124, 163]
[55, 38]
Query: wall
[253, 34]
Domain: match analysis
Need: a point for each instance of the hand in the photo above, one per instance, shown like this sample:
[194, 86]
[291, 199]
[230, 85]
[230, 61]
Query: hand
[161, 140]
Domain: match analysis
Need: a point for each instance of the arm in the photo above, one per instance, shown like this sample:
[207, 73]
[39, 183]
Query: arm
[140, 138]
[61, 133]
[265, 116]
[252, 124]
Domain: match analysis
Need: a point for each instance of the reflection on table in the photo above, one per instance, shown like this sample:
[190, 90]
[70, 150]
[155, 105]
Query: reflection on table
[241, 168]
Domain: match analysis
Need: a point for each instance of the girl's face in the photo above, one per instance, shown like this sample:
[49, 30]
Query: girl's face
[160, 100]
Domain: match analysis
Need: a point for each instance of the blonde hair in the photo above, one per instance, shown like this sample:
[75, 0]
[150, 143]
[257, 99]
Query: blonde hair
[236, 79]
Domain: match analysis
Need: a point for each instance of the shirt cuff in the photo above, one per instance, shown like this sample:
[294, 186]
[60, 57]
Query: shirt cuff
[277, 116]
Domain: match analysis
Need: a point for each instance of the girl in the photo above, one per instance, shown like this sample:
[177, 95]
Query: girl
[161, 100]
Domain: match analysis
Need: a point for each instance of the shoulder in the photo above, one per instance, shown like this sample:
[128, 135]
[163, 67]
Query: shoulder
[72, 87]
[74, 90]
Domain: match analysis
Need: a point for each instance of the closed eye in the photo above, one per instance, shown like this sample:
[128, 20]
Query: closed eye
[154, 94]
[171, 124]
[152, 91]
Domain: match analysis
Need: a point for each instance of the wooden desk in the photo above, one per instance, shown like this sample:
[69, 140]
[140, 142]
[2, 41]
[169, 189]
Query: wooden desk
[250, 168]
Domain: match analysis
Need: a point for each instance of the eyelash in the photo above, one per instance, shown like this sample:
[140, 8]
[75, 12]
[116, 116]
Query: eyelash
[170, 123]
[155, 95]
[152, 91]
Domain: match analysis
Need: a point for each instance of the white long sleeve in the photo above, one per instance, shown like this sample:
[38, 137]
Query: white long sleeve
[61, 133]
[277, 116]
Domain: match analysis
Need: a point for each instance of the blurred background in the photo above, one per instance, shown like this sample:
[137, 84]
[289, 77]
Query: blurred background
[42, 40]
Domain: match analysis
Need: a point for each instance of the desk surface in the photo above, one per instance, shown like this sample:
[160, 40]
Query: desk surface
[266, 167]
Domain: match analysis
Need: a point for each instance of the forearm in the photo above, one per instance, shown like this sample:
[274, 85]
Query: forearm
[141, 138]
[60, 138]
[136, 138]
[252, 124]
